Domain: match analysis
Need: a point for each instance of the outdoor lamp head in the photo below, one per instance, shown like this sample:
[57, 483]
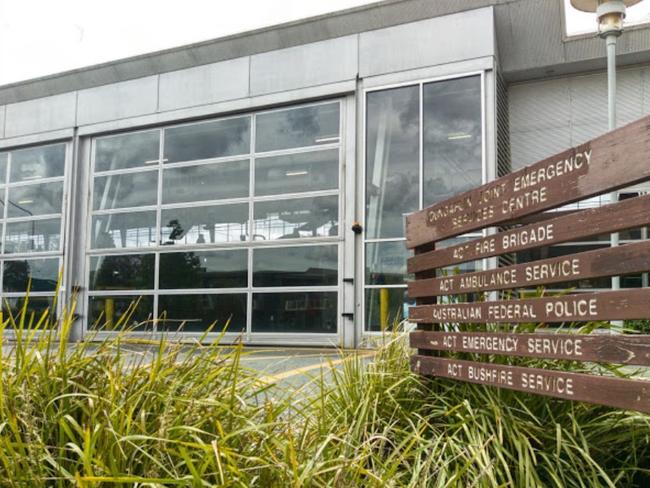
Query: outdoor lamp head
[610, 13]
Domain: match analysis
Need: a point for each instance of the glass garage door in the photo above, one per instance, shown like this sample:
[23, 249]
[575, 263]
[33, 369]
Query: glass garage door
[233, 221]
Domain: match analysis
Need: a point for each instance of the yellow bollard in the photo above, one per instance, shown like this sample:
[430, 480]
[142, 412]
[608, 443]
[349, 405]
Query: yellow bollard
[383, 308]
[109, 308]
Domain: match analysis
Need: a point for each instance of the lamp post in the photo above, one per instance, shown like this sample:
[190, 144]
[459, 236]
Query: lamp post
[610, 14]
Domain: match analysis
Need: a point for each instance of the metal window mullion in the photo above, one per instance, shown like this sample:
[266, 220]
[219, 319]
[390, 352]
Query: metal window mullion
[295, 196]
[421, 144]
[205, 162]
[158, 228]
[251, 228]
[40, 181]
[202, 291]
[125, 210]
[300, 150]
[205, 203]
[32, 218]
[121, 293]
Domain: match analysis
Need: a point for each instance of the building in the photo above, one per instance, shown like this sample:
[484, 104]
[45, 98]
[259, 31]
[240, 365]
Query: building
[224, 179]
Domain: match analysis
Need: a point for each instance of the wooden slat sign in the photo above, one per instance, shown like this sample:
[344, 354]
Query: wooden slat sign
[609, 162]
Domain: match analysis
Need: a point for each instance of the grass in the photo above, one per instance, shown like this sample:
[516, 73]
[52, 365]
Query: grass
[96, 414]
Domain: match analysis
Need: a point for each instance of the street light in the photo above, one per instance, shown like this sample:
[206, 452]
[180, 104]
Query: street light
[610, 14]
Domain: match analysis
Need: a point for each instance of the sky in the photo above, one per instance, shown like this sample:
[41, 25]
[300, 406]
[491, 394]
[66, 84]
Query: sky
[41, 37]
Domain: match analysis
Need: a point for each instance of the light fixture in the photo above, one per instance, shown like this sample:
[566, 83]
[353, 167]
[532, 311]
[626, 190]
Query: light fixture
[25, 202]
[455, 136]
[610, 13]
[296, 173]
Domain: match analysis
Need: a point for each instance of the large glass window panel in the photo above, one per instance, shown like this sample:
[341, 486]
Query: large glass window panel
[203, 225]
[297, 173]
[386, 263]
[385, 308]
[120, 312]
[204, 269]
[297, 127]
[127, 151]
[122, 272]
[452, 137]
[195, 313]
[205, 140]
[392, 160]
[206, 182]
[125, 190]
[295, 312]
[37, 163]
[3, 168]
[124, 230]
[296, 266]
[36, 307]
[297, 218]
[33, 236]
[30, 200]
[43, 273]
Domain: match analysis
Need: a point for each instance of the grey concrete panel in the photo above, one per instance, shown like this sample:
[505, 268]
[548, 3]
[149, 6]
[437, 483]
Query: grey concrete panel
[302, 66]
[202, 85]
[2, 120]
[427, 43]
[118, 100]
[40, 138]
[41, 115]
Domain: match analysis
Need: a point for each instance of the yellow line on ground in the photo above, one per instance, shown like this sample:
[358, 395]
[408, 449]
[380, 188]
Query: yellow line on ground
[325, 364]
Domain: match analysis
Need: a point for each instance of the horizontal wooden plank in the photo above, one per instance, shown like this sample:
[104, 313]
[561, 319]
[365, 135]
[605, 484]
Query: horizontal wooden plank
[609, 162]
[610, 261]
[579, 307]
[628, 214]
[608, 348]
[602, 390]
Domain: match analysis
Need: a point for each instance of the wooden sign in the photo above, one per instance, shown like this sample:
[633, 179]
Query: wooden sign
[578, 307]
[622, 260]
[628, 214]
[608, 348]
[609, 162]
[604, 390]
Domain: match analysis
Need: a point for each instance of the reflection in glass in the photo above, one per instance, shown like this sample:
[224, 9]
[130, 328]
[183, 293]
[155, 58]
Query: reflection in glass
[296, 218]
[392, 164]
[297, 127]
[201, 225]
[295, 312]
[122, 272]
[297, 172]
[30, 200]
[33, 236]
[205, 140]
[386, 307]
[36, 307]
[204, 269]
[206, 182]
[452, 138]
[120, 312]
[122, 230]
[195, 313]
[3, 168]
[127, 151]
[36, 163]
[43, 273]
[386, 263]
[296, 266]
[125, 190]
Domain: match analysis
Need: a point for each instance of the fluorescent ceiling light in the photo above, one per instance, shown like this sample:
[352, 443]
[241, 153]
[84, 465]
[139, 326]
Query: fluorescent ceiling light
[454, 136]
[296, 173]
[328, 139]
[35, 177]
[25, 202]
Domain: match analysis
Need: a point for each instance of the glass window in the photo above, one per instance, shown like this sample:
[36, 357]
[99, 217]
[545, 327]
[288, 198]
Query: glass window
[295, 312]
[392, 160]
[297, 127]
[452, 133]
[127, 151]
[204, 269]
[36, 307]
[33, 236]
[122, 272]
[386, 307]
[125, 190]
[386, 263]
[123, 230]
[30, 275]
[37, 163]
[195, 313]
[30, 200]
[296, 266]
[297, 218]
[201, 225]
[206, 140]
[3, 168]
[206, 182]
[120, 312]
[295, 173]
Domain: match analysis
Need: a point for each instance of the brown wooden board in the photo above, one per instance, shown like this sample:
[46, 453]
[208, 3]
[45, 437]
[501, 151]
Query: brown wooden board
[607, 348]
[611, 261]
[578, 307]
[609, 162]
[627, 214]
[604, 390]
